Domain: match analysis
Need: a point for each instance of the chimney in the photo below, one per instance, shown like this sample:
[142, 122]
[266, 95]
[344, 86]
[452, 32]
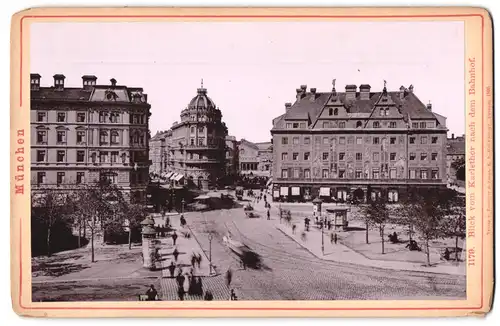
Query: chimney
[287, 106]
[35, 82]
[313, 94]
[410, 89]
[89, 81]
[452, 136]
[402, 92]
[59, 82]
[364, 92]
[113, 82]
[350, 92]
[301, 92]
[429, 106]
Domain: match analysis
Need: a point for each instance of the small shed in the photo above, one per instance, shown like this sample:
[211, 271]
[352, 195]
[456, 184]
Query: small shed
[338, 217]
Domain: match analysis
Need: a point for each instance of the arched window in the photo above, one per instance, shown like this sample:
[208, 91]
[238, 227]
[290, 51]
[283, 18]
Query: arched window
[336, 111]
[114, 137]
[387, 111]
[358, 124]
[376, 124]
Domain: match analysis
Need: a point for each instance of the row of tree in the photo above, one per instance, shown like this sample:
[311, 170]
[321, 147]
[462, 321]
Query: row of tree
[101, 208]
[431, 214]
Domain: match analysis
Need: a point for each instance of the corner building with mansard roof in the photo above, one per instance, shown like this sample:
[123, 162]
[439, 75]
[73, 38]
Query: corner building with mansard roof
[84, 134]
[357, 144]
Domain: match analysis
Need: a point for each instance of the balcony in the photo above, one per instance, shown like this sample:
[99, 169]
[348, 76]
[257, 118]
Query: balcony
[201, 147]
[201, 160]
[362, 181]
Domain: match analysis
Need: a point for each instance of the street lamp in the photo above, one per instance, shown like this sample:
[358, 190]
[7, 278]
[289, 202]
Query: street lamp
[210, 237]
[317, 203]
[182, 203]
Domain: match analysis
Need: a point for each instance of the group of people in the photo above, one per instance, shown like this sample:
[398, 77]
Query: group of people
[187, 283]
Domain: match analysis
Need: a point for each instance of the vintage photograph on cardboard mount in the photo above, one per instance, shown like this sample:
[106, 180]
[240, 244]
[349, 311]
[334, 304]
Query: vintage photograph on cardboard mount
[251, 158]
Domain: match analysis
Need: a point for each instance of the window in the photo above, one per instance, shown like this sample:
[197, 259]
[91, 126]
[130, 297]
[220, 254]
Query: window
[342, 124]
[80, 117]
[423, 140]
[61, 155]
[325, 140]
[350, 140]
[307, 174]
[40, 177]
[412, 156]
[61, 117]
[392, 124]
[307, 140]
[296, 173]
[359, 140]
[326, 124]
[61, 137]
[392, 196]
[434, 156]
[392, 140]
[284, 156]
[375, 174]
[342, 140]
[201, 142]
[295, 156]
[295, 140]
[434, 174]
[302, 125]
[414, 124]
[324, 174]
[412, 174]
[359, 174]
[423, 156]
[341, 156]
[114, 157]
[80, 137]
[295, 125]
[284, 173]
[376, 140]
[423, 125]
[325, 156]
[341, 174]
[423, 174]
[201, 129]
[191, 156]
[306, 156]
[359, 124]
[284, 141]
[60, 177]
[191, 142]
[193, 130]
[392, 173]
[376, 156]
[381, 112]
[376, 124]
[80, 177]
[114, 137]
[40, 116]
[317, 140]
[41, 156]
[103, 157]
[336, 111]
[434, 140]
[412, 140]
[330, 111]
[387, 111]
[80, 156]
[392, 156]
[103, 137]
[359, 156]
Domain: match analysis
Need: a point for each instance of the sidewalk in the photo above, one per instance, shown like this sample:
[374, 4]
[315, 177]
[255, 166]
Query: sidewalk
[342, 253]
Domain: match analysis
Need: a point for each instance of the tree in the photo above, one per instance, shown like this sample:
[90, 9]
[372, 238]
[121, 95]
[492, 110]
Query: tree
[407, 211]
[430, 208]
[455, 221]
[459, 166]
[377, 214]
[50, 209]
[135, 214]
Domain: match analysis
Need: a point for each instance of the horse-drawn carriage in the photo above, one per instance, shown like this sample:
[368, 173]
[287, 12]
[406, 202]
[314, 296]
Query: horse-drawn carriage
[247, 256]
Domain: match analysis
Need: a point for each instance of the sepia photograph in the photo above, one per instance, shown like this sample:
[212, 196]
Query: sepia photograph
[276, 166]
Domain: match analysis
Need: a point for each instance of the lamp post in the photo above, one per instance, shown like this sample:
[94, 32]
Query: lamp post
[210, 237]
[182, 205]
[317, 205]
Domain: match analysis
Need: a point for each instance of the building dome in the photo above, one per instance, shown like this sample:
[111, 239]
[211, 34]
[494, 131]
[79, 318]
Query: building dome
[201, 101]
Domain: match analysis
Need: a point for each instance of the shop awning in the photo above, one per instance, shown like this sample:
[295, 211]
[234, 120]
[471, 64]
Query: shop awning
[284, 191]
[168, 175]
[179, 177]
[295, 191]
[324, 192]
[172, 177]
[269, 182]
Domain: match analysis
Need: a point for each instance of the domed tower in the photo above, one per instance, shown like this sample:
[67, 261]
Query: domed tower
[201, 136]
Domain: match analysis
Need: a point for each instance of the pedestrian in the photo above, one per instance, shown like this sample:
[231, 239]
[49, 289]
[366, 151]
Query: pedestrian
[181, 293]
[193, 259]
[183, 221]
[174, 237]
[335, 238]
[331, 238]
[152, 293]
[268, 215]
[209, 296]
[229, 277]
[198, 260]
[157, 230]
[176, 254]
[192, 285]
[329, 225]
[233, 296]
[293, 228]
[167, 222]
[199, 287]
[171, 269]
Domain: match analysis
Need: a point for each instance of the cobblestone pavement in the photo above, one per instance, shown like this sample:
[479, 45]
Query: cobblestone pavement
[216, 285]
[292, 273]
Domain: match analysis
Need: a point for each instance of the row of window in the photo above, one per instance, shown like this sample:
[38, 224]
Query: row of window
[61, 156]
[112, 137]
[359, 156]
[135, 177]
[350, 140]
[358, 174]
[104, 117]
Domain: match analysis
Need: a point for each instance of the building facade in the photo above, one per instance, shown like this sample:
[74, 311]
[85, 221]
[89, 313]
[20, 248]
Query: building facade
[158, 152]
[85, 134]
[232, 156]
[357, 144]
[455, 151]
[255, 158]
[197, 144]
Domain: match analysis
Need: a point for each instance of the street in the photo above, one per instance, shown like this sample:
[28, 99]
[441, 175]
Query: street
[291, 273]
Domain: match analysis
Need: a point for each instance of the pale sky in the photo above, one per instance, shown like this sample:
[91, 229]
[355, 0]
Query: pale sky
[251, 69]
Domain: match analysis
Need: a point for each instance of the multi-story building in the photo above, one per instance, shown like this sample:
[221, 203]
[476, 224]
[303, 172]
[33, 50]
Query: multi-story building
[455, 151]
[255, 158]
[232, 156]
[158, 152]
[357, 144]
[89, 133]
[197, 150]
